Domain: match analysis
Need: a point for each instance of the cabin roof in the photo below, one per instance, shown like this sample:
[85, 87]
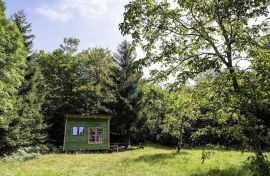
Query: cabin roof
[87, 116]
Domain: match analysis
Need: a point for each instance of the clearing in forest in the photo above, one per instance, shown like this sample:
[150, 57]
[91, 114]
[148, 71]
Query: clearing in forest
[152, 161]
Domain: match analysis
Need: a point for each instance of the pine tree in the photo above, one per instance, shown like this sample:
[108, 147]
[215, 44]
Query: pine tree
[31, 93]
[127, 78]
[20, 19]
[12, 64]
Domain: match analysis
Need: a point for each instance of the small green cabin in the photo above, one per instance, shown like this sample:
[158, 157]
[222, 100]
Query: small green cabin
[87, 132]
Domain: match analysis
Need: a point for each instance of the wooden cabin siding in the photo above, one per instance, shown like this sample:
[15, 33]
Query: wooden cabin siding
[81, 142]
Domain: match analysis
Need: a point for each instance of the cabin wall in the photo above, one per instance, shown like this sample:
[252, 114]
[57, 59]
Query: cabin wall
[81, 142]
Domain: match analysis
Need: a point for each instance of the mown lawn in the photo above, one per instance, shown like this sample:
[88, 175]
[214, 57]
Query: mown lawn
[151, 161]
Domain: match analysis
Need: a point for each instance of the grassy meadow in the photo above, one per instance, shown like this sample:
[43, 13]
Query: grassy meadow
[152, 161]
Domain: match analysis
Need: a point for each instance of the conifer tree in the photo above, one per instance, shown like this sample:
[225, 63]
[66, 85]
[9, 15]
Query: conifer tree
[127, 79]
[31, 93]
[12, 64]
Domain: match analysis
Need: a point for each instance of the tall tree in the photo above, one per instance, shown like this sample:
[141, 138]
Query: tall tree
[152, 110]
[12, 64]
[58, 72]
[95, 80]
[20, 19]
[31, 93]
[125, 58]
[191, 37]
[70, 45]
[127, 76]
[178, 111]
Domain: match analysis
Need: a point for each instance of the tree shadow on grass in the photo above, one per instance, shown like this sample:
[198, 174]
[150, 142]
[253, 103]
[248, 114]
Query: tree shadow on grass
[159, 146]
[159, 157]
[231, 171]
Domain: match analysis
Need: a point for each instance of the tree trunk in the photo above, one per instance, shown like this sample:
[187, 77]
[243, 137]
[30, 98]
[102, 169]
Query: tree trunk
[179, 144]
[231, 68]
[234, 80]
[128, 138]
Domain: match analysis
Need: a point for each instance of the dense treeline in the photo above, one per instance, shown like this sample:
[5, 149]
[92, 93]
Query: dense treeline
[225, 105]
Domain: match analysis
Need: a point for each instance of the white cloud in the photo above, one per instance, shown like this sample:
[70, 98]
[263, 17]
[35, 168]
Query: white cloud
[55, 15]
[65, 10]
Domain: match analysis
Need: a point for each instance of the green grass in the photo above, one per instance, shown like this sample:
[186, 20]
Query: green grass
[150, 161]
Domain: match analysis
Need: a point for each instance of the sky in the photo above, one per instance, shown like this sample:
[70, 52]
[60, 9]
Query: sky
[94, 22]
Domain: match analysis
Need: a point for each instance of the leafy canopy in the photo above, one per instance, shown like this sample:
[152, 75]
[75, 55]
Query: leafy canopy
[190, 37]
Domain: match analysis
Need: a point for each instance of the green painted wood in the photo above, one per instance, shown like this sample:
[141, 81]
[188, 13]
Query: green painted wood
[81, 142]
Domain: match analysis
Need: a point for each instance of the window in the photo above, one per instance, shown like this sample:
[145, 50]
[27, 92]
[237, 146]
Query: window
[77, 131]
[81, 131]
[74, 131]
[99, 136]
[95, 136]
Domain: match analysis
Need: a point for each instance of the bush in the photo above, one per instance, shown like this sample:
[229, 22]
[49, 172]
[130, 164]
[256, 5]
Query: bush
[28, 153]
[21, 154]
[206, 155]
[259, 165]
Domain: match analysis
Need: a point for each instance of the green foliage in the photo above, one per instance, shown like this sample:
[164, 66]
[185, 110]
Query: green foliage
[199, 40]
[178, 110]
[190, 37]
[12, 64]
[95, 73]
[20, 155]
[70, 45]
[2, 9]
[152, 110]
[125, 58]
[206, 155]
[237, 118]
[127, 77]
[21, 121]
[230, 116]
[31, 93]
[27, 153]
[31, 97]
[259, 165]
[75, 84]
[24, 27]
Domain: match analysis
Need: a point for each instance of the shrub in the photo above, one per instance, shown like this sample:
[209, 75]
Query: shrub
[28, 153]
[259, 165]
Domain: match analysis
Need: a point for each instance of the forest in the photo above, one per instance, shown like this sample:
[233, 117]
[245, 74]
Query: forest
[213, 102]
